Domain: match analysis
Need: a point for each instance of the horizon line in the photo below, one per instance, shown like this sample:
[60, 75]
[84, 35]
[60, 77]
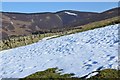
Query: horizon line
[55, 11]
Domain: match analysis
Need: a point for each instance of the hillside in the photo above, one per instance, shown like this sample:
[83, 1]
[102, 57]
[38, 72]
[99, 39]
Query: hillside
[22, 24]
[80, 53]
[14, 42]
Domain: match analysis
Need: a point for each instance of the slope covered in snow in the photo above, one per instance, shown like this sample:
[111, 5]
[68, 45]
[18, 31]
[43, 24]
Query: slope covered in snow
[79, 53]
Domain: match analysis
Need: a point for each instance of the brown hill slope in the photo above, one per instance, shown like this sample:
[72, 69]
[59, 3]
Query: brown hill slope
[17, 24]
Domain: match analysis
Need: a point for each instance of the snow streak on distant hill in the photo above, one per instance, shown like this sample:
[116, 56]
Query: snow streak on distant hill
[79, 53]
[71, 13]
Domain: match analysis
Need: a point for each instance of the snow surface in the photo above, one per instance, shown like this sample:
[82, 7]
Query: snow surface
[70, 13]
[80, 53]
[46, 38]
[11, 22]
[92, 74]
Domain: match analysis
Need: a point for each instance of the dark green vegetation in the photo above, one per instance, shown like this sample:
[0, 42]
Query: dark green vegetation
[13, 42]
[49, 73]
[108, 74]
[55, 74]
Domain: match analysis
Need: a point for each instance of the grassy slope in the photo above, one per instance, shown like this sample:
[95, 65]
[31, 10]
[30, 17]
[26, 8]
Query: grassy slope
[107, 73]
[25, 40]
[49, 73]
[54, 73]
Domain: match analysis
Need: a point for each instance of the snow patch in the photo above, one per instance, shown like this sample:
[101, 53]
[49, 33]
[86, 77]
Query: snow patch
[70, 13]
[46, 38]
[92, 74]
[11, 22]
[80, 53]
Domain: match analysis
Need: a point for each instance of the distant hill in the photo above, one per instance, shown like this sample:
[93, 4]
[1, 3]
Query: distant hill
[19, 24]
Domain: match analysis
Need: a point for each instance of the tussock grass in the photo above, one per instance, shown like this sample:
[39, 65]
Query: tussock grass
[50, 73]
[106, 74]
[56, 74]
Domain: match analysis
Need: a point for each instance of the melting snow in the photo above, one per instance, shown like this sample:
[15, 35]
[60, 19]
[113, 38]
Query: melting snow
[80, 53]
[92, 74]
[70, 13]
